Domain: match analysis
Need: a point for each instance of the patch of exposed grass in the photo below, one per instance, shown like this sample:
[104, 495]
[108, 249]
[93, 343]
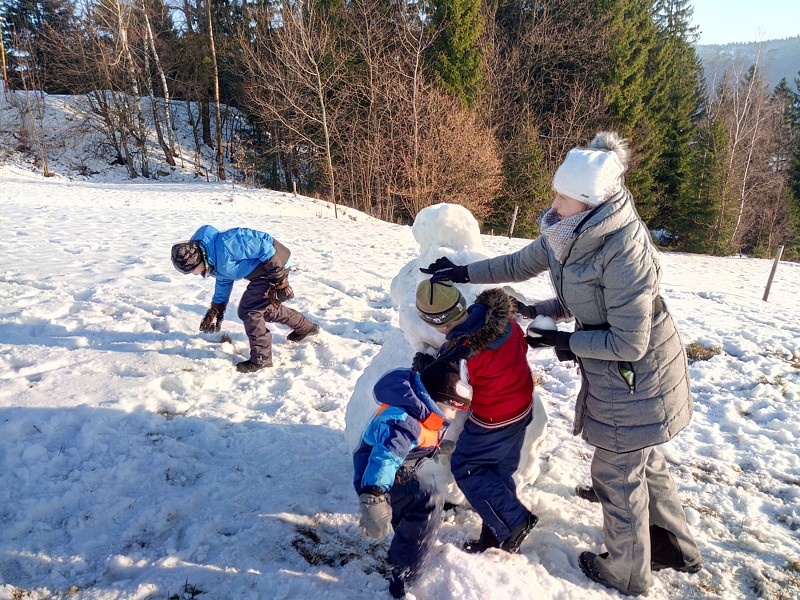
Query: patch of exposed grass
[696, 351]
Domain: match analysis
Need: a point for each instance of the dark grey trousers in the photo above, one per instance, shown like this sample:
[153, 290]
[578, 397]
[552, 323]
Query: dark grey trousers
[639, 498]
[255, 311]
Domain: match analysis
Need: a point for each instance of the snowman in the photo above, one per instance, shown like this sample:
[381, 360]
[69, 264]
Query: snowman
[441, 230]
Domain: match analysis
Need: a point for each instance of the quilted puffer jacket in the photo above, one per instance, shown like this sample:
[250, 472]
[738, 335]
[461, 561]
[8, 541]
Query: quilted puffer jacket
[635, 389]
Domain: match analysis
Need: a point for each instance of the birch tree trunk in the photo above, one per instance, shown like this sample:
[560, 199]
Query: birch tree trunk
[122, 22]
[220, 157]
[169, 148]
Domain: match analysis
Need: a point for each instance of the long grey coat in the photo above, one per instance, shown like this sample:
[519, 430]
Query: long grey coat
[610, 283]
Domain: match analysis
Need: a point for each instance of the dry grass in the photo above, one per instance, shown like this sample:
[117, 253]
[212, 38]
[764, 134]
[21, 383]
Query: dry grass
[696, 351]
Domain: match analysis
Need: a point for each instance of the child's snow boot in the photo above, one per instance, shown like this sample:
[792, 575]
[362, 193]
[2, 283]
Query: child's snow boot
[518, 535]
[586, 492]
[485, 541]
[248, 366]
[299, 336]
[397, 586]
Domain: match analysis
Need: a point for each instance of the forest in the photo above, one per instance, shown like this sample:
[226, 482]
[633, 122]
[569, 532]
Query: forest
[389, 106]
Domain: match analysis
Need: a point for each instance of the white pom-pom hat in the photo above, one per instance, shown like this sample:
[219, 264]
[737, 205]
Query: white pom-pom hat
[593, 175]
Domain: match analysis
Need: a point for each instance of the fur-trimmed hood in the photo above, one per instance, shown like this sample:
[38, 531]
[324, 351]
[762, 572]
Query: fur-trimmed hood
[488, 321]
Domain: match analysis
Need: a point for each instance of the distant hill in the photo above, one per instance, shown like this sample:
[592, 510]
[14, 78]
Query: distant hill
[777, 59]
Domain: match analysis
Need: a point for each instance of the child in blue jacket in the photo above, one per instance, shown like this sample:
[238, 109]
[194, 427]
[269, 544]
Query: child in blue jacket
[243, 253]
[407, 429]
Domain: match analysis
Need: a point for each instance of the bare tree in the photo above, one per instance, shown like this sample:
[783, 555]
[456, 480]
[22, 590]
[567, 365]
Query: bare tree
[123, 18]
[30, 107]
[293, 75]
[219, 153]
[750, 196]
[740, 105]
[167, 146]
[543, 97]
[455, 161]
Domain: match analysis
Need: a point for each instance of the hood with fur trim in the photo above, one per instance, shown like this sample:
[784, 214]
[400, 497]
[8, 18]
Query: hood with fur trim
[488, 321]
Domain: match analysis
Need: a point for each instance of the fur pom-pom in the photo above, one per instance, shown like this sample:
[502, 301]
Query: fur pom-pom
[611, 140]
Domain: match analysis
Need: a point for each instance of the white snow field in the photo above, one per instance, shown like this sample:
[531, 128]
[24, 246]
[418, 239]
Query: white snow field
[136, 463]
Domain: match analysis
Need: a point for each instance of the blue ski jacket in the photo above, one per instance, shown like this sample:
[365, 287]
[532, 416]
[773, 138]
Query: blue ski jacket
[232, 255]
[408, 427]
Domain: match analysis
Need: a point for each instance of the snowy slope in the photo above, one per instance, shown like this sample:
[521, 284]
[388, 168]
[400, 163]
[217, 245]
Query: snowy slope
[138, 464]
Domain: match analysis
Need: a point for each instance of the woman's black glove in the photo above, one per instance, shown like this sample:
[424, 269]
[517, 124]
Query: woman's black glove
[444, 268]
[527, 310]
[420, 361]
[538, 338]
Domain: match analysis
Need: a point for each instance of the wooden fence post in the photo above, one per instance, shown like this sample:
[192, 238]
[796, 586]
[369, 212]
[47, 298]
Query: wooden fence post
[513, 220]
[772, 273]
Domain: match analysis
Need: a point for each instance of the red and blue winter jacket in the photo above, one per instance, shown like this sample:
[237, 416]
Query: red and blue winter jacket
[501, 380]
[407, 427]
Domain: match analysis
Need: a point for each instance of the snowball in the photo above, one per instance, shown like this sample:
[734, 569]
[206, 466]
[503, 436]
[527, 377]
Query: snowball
[542, 322]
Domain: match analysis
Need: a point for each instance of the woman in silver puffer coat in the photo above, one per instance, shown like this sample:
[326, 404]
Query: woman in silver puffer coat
[635, 383]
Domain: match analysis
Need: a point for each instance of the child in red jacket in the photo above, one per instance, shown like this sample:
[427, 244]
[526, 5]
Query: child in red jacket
[492, 350]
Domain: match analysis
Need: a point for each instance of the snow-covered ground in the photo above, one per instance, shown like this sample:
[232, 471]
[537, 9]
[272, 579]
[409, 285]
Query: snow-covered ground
[136, 462]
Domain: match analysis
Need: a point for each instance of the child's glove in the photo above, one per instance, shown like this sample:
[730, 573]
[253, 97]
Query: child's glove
[565, 355]
[445, 269]
[280, 292]
[376, 514]
[212, 322]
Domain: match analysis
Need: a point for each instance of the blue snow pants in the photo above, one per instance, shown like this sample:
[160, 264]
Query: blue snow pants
[416, 519]
[483, 466]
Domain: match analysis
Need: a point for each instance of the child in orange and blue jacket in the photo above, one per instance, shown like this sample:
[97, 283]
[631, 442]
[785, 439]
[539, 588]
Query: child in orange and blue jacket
[407, 429]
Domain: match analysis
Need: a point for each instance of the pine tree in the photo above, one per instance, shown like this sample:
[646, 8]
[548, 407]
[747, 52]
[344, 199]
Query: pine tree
[702, 192]
[681, 103]
[632, 82]
[455, 56]
[25, 25]
[793, 117]
[788, 160]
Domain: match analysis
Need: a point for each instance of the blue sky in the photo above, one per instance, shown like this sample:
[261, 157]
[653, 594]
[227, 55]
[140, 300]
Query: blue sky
[725, 21]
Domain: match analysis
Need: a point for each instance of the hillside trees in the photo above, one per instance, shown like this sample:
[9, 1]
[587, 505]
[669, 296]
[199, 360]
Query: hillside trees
[293, 73]
[749, 196]
[543, 97]
[392, 106]
[354, 104]
[680, 103]
[24, 23]
[113, 54]
[787, 162]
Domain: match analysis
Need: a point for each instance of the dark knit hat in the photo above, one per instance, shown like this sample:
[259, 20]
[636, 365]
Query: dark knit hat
[443, 382]
[187, 256]
[440, 302]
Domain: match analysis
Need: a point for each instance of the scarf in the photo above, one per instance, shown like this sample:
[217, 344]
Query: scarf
[559, 232]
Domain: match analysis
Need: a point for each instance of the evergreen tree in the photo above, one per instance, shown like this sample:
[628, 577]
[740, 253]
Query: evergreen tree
[702, 193]
[681, 104]
[455, 56]
[633, 84]
[793, 119]
[788, 159]
[25, 24]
